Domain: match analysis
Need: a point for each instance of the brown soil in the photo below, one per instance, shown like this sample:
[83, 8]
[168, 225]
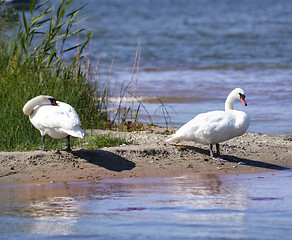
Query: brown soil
[148, 156]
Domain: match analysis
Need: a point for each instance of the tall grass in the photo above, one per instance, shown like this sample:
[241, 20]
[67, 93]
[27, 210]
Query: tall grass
[29, 68]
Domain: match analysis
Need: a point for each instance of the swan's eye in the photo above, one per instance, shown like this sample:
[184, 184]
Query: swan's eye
[241, 95]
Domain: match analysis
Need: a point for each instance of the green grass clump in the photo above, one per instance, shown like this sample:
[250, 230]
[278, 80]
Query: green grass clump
[30, 67]
[98, 141]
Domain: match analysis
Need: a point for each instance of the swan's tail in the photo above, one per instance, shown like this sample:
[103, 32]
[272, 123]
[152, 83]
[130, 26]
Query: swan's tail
[76, 131]
[173, 138]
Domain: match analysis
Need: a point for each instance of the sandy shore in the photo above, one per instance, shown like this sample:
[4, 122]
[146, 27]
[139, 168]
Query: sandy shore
[149, 156]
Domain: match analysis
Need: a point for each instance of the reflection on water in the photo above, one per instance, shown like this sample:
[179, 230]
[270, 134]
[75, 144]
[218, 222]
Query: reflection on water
[204, 207]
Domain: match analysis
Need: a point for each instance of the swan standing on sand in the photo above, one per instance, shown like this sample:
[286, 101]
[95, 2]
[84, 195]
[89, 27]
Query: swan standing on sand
[57, 119]
[216, 126]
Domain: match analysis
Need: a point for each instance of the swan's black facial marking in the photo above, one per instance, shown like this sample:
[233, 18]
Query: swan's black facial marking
[53, 102]
[241, 95]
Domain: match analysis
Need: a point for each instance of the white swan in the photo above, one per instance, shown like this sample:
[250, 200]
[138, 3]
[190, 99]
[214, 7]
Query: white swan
[57, 119]
[216, 126]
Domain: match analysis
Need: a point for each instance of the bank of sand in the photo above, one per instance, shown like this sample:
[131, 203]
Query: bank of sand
[148, 156]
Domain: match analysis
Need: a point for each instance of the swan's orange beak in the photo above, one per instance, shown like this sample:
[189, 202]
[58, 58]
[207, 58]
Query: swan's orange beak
[54, 103]
[242, 99]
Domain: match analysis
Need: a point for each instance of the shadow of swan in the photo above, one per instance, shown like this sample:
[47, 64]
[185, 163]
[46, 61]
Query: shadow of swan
[235, 159]
[105, 159]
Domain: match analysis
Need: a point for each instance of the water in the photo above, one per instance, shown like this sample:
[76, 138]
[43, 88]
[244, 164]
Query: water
[193, 53]
[257, 206]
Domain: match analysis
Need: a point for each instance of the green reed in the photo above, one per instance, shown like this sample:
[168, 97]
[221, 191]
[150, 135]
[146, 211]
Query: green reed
[30, 67]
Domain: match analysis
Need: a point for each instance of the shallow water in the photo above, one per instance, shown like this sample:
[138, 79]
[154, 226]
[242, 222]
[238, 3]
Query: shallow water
[193, 53]
[257, 206]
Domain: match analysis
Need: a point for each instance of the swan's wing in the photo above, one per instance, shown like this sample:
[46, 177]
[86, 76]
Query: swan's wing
[70, 120]
[219, 127]
[68, 114]
[203, 124]
[62, 117]
[204, 127]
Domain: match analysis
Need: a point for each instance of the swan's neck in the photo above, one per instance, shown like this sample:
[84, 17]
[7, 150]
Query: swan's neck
[229, 103]
[31, 104]
[28, 108]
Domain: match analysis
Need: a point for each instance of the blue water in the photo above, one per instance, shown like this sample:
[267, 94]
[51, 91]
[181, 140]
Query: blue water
[193, 53]
[257, 206]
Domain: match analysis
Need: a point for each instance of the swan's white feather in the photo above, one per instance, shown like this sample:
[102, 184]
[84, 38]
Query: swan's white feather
[57, 121]
[209, 128]
[215, 126]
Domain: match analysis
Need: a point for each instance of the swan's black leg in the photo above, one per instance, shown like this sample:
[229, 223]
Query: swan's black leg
[217, 148]
[68, 146]
[43, 142]
[218, 153]
[218, 158]
[211, 150]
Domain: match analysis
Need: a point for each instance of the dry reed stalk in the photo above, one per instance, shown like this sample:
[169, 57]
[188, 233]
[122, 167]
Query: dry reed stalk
[137, 71]
[110, 71]
[132, 75]
[96, 67]
[88, 69]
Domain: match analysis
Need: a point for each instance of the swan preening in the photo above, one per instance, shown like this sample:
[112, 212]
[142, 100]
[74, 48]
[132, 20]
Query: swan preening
[216, 126]
[57, 119]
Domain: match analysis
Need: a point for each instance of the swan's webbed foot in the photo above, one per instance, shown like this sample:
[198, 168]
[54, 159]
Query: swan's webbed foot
[218, 158]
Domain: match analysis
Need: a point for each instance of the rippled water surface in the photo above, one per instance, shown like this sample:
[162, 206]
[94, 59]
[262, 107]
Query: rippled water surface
[257, 206]
[193, 53]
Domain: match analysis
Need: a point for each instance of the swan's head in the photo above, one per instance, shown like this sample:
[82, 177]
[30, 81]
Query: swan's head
[53, 101]
[38, 101]
[239, 94]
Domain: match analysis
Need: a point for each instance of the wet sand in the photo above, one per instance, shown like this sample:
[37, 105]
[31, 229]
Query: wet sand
[148, 156]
